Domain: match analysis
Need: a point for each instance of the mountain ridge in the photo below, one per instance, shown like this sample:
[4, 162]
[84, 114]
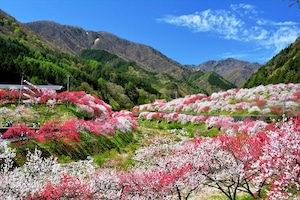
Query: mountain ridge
[118, 82]
[63, 36]
[233, 70]
[144, 55]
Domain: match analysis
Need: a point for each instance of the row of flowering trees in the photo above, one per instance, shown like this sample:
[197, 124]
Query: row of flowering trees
[270, 99]
[226, 124]
[265, 164]
[102, 120]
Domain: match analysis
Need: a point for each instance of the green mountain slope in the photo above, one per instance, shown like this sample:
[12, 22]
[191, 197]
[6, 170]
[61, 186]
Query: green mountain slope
[131, 75]
[209, 82]
[74, 40]
[118, 82]
[282, 68]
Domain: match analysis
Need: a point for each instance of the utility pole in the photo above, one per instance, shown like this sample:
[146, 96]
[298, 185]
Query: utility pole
[21, 90]
[68, 89]
[68, 82]
[283, 111]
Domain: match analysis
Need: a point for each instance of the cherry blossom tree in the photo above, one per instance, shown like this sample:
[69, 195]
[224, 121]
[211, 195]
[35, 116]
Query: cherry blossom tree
[279, 165]
[36, 171]
[47, 94]
[174, 174]
[42, 177]
[223, 162]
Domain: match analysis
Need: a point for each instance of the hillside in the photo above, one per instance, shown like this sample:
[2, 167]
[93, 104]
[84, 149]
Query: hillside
[85, 150]
[75, 39]
[9, 26]
[235, 71]
[209, 82]
[282, 68]
[118, 82]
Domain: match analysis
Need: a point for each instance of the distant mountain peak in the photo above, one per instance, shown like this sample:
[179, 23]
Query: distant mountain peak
[233, 70]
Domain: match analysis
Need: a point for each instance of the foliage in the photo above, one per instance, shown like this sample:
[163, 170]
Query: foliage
[282, 68]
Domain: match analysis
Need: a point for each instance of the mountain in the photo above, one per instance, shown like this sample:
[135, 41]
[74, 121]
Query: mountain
[209, 82]
[119, 82]
[118, 71]
[235, 71]
[74, 40]
[282, 68]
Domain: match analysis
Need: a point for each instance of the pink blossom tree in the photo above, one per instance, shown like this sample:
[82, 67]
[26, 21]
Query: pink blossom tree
[279, 164]
[223, 162]
[47, 94]
[68, 188]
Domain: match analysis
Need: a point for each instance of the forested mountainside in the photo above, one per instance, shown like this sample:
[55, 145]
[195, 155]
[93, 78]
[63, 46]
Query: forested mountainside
[233, 70]
[75, 40]
[210, 81]
[282, 68]
[119, 82]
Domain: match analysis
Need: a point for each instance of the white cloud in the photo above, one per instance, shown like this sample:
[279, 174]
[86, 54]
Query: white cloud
[282, 37]
[219, 21]
[241, 23]
[244, 9]
[287, 23]
[264, 22]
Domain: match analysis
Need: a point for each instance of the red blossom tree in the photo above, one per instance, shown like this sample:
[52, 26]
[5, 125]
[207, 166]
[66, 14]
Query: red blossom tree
[17, 131]
[276, 110]
[54, 130]
[48, 131]
[69, 131]
[68, 188]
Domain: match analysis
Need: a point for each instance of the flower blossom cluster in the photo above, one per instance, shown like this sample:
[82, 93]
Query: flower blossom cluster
[263, 165]
[102, 120]
[226, 124]
[269, 99]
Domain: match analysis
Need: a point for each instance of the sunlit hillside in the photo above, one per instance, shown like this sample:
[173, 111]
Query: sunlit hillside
[192, 147]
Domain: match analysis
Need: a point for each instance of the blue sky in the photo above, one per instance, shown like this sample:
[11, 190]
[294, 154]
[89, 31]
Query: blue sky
[187, 31]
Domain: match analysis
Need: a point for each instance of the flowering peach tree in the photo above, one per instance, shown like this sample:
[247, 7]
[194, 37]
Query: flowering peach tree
[261, 100]
[167, 169]
[279, 163]
[102, 120]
